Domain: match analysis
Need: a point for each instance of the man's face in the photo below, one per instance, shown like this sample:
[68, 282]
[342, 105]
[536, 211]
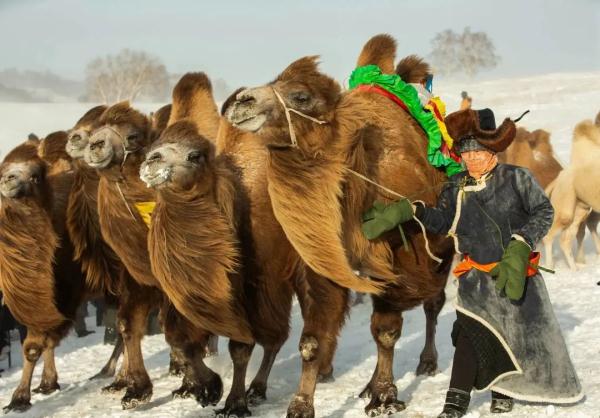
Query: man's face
[477, 162]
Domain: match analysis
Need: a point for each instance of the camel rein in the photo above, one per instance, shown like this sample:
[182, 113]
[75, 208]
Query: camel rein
[294, 141]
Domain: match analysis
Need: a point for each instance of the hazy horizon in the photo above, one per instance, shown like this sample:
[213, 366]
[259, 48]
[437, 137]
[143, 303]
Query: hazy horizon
[246, 43]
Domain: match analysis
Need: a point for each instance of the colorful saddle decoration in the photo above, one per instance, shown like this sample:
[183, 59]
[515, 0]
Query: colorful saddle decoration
[431, 117]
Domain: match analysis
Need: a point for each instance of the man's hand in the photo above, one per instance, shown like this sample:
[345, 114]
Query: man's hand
[511, 271]
[382, 218]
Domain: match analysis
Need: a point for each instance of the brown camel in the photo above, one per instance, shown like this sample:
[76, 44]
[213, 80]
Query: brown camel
[116, 149]
[41, 283]
[319, 203]
[281, 269]
[534, 151]
[222, 281]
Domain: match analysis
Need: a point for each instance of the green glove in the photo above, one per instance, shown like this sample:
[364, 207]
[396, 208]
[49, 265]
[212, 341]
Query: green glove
[511, 270]
[381, 218]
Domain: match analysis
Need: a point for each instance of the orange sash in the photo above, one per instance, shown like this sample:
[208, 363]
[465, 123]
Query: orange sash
[468, 263]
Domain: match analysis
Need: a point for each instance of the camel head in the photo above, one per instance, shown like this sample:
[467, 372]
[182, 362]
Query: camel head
[122, 134]
[22, 174]
[301, 87]
[180, 160]
[80, 134]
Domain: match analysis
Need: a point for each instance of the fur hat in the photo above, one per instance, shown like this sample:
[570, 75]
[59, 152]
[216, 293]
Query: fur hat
[476, 129]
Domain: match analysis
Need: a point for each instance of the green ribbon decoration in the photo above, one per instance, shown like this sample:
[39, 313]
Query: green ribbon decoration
[371, 74]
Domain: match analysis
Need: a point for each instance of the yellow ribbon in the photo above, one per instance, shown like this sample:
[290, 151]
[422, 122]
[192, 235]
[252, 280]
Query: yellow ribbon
[145, 210]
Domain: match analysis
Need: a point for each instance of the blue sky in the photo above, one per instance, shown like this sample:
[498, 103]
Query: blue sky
[249, 42]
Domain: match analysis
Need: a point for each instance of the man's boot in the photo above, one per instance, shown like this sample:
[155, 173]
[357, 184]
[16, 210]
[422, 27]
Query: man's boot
[457, 403]
[501, 403]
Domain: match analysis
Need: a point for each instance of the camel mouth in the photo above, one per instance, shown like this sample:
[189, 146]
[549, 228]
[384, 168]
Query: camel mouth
[252, 123]
[11, 189]
[75, 151]
[98, 162]
[153, 176]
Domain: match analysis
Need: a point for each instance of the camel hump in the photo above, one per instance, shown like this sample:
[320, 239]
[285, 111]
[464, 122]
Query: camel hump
[597, 120]
[380, 50]
[193, 99]
[413, 69]
[587, 130]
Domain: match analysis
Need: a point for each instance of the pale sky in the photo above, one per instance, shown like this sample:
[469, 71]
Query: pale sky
[249, 42]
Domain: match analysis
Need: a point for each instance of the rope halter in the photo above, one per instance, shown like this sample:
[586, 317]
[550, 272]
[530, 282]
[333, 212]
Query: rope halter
[289, 110]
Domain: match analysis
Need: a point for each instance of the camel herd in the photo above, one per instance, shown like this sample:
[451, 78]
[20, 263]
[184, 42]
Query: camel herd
[220, 218]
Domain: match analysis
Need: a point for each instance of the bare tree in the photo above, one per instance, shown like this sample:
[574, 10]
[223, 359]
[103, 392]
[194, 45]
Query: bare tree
[467, 53]
[129, 75]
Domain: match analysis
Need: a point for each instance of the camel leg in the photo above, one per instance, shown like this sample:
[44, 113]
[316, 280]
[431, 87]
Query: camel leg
[111, 365]
[257, 392]
[132, 318]
[429, 355]
[568, 235]
[580, 256]
[120, 381]
[386, 326]
[548, 240]
[33, 346]
[236, 404]
[188, 343]
[592, 224]
[324, 306]
[49, 383]
[176, 363]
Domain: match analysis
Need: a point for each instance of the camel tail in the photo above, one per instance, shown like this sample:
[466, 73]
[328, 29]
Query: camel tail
[380, 50]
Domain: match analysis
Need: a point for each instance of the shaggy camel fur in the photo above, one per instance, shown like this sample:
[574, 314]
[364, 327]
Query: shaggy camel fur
[281, 271]
[117, 148]
[41, 283]
[367, 133]
[574, 196]
[238, 273]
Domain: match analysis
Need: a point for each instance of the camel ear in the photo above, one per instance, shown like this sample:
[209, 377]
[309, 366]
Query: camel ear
[380, 50]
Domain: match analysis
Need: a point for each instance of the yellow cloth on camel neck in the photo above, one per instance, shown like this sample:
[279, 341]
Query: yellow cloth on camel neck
[145, 210]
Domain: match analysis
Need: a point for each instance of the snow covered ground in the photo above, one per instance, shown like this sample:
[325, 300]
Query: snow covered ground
[557, 102]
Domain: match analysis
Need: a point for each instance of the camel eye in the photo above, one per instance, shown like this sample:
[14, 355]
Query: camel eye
[132, 137]
[195, 157]
[301, 97]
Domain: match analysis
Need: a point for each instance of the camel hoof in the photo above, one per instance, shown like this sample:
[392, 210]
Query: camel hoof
[300, 408]
[47, 389]
[136, 397]
[210, 392]
[184, 392]
[326, 378]
[17, 405]
[384, 400]
[256, 394]
[114, 387]
[237, 409]
[427, 367]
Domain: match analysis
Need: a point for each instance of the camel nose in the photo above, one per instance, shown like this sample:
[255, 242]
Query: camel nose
[97, 144]
[154, 157]
[76, 138]
[9, 177]
[246, 98]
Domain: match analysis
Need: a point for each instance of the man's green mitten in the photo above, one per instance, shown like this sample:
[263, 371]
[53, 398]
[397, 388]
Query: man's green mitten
[381, 218]
[511, 271]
